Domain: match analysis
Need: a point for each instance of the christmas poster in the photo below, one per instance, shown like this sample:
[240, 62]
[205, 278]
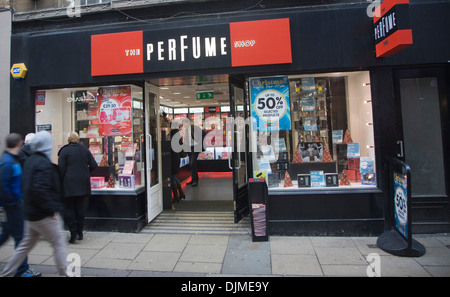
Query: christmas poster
[115, 111]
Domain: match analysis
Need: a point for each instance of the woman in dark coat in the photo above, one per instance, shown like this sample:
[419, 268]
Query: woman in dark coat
[75, 164]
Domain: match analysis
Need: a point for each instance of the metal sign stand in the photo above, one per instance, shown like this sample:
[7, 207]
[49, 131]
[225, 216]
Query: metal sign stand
[398, 241]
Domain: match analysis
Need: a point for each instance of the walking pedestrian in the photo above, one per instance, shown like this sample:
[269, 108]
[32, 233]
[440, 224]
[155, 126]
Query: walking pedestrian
[197, 146]
[11, 199]
[175, 184]
[25, 151]
[75, 164]
[42, 206]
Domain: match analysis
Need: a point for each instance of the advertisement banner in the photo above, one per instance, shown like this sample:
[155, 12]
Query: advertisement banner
[114, 110]
[401, 203]
[270, 104]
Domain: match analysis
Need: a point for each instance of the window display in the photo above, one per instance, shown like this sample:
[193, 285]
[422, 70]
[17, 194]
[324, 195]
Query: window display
[329, 140]
[110, 123]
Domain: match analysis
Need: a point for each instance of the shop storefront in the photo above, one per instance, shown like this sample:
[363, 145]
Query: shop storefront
[309, 107]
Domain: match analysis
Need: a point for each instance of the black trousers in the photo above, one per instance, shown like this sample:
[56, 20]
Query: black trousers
[194, 165]
[74, 210]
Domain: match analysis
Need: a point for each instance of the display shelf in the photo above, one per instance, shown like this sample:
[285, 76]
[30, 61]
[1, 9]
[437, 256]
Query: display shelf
[310, 111]
[111, 146]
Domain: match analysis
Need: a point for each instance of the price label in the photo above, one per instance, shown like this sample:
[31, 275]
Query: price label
[270, 106]
[400, 206]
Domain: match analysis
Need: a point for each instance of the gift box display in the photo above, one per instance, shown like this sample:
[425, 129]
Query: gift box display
[126, 181]
[97, 182]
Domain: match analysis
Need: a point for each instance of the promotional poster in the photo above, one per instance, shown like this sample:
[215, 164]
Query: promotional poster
[270, 103]
[115, 111]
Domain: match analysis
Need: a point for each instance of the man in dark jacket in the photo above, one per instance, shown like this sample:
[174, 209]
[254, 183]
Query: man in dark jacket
[197, 146]
[41, 187]
[75, 164]
[11, 198]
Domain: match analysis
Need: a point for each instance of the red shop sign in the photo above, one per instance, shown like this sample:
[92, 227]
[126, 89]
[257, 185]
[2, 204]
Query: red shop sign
[392, 29]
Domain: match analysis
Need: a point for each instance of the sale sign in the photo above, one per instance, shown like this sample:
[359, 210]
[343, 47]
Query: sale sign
[114, 110]
[270, 103]
[401, 204]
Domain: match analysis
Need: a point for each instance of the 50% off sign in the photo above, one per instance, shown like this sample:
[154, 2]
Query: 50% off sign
[270, 106]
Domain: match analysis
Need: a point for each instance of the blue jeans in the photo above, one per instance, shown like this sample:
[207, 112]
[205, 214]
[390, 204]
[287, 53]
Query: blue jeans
[14, 227]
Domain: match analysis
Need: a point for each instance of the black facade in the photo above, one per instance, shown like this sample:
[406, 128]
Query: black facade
[325, 38]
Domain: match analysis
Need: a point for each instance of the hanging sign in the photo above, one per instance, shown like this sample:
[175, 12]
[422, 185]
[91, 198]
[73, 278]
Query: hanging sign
[392, 29]
[114, 111]
[204, 95]
[270, 104]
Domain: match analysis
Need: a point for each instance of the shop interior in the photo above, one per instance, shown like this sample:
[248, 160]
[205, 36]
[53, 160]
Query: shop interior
[331, 133]
[203, 101]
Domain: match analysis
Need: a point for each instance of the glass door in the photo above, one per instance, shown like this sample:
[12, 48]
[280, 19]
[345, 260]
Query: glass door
[238, 139]
[153, 152]
[423, 138]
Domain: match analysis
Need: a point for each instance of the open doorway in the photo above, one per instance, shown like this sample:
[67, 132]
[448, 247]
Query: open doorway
[208, 205]
[201, 101]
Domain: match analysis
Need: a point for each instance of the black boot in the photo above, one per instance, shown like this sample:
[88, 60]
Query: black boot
[73, 236]
[80, 232]
[73, 231]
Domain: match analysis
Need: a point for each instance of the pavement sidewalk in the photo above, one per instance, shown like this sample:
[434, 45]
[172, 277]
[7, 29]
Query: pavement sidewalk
[111, 254]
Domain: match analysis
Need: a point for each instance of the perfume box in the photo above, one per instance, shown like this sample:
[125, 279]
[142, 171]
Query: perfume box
[126, 181]
[304, 180]
[331, 179]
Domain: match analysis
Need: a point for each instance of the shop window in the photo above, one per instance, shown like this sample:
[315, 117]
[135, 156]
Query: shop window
[110, 123]
[323, 138]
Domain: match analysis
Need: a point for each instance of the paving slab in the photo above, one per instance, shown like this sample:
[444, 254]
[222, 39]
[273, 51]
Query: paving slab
[291, 245]
[438, 271]
[435, 256]
[155, 261]
[167, 243]
[393, 266]
[243, 256]
[119, 250]
[345, 270]
[203, 253]
[296, 265]
[198, 267]
[340, 256]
